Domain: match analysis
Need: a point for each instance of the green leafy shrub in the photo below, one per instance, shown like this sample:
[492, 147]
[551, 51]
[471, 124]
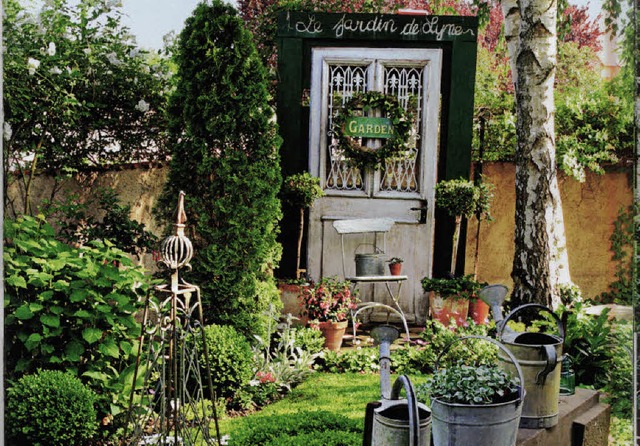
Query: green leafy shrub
[308, 339]
[230, 358]
[619, 374]
[50, 408]
[363, 360]
[327, 438]
[463, 384]
[270, 430]
[101, 217]
[69, 308]
[225, 158]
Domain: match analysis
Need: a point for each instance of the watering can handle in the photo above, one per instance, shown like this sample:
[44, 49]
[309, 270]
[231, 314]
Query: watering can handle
[552, 357]
[500, 345]
[503, 323]
[412, 403]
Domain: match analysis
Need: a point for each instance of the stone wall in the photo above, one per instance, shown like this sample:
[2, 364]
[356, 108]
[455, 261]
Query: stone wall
[590, 210]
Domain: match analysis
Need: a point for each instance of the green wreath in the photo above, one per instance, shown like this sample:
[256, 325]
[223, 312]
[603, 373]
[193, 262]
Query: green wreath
[361, 156]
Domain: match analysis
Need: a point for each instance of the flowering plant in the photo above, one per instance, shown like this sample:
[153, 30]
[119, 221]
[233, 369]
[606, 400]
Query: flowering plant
[328, 300]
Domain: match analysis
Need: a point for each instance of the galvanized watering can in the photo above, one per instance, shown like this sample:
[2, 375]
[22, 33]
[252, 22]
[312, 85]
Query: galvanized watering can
[393, 421]
[540, 356]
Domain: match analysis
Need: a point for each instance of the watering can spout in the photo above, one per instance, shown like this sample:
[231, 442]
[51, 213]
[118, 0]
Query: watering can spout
[494, 296]
[384, 335]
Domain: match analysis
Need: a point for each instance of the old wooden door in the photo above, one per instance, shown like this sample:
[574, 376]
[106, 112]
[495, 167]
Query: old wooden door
[403, 190]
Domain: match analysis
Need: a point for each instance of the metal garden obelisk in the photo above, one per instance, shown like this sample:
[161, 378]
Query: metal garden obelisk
[170, 406]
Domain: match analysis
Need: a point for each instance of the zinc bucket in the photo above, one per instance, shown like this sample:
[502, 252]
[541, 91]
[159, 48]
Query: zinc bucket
[497, 424]
[391, 425]
[540, 357]
[370, 264]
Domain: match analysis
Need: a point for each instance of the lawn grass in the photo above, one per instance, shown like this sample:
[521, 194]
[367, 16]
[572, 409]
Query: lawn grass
[345, 394]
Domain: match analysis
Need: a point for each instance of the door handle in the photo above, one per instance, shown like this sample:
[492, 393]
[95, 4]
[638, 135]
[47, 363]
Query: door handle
[423, 212]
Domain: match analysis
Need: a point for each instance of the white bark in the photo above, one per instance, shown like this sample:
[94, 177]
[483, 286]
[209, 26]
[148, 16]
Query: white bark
[541, 263]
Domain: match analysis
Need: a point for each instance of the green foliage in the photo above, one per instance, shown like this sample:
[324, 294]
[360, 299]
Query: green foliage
[225, 159]
[50, 408]
[463, 198]
[588, 341]
[619, 374]
[594, 116]
[282, 357]
[463, 384]
[230, 358]
[311, 426]
[300, 190]
[69, 308]
[77, 223]
[308, 339]
[75, 84]
[622, 241]
[362, 360]
[464, 287]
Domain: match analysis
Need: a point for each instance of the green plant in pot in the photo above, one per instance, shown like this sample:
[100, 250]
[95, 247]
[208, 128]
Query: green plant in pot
[299, 191]
[327, 304]
[395, 265]
[477, 404]
[449, 297]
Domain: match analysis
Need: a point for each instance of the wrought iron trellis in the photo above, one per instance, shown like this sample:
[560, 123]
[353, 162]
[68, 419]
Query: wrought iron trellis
[169, 405]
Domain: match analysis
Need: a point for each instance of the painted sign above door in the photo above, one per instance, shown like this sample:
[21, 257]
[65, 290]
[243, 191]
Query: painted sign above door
[378, 26]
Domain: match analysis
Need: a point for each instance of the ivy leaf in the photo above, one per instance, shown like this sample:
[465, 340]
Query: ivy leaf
[74, 351]
[78, 295]
[23, 312]
[109, 348]
[51, 320]
[32, 341]
[16, 281]
[91, 335]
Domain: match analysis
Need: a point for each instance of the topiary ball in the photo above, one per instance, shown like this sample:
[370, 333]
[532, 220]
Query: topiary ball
[50, 408]
[230, 358]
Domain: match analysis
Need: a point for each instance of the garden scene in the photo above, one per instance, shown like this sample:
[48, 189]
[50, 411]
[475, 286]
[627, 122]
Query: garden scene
[319, 223]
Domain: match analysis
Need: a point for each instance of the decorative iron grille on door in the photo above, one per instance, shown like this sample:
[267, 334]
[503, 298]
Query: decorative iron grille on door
[403, 81]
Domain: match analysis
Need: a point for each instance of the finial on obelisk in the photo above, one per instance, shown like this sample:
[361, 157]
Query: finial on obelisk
[177, 249]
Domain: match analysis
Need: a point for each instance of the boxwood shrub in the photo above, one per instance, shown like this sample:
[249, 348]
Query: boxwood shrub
[50, 408]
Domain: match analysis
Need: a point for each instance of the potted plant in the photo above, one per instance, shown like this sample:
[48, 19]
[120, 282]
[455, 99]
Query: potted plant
[299, 191]
[327, 304]
[395, 265]
[449, 297]
[477, 404]
[459, 198]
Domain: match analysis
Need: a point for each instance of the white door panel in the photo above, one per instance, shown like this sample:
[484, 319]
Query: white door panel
[406, 183]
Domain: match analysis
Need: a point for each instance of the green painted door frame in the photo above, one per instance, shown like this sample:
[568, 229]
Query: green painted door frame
[300, 32]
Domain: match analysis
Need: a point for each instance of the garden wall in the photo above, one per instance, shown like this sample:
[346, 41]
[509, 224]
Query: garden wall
[590, 210]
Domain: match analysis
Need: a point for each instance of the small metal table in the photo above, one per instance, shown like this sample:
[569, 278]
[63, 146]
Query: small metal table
[387, 280]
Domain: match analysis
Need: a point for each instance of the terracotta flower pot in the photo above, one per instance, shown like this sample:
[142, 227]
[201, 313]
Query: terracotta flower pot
[395, 268]
[443, 309]
[479, 311]
[333, 333]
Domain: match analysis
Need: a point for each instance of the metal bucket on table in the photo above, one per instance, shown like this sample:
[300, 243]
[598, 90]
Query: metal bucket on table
[370, 264]
[540, 356]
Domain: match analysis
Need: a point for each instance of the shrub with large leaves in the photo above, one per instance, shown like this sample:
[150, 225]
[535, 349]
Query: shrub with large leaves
[69, 309]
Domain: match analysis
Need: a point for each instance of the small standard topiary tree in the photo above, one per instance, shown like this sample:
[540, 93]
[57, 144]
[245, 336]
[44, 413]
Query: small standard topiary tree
[225, 158]
[50, 408]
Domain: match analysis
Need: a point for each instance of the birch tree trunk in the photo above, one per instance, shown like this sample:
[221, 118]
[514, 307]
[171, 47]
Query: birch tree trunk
[541, 263]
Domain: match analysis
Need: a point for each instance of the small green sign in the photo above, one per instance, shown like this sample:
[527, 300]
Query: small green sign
[365, 127]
